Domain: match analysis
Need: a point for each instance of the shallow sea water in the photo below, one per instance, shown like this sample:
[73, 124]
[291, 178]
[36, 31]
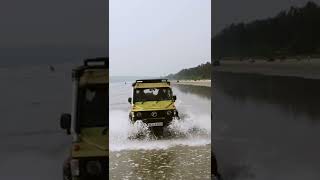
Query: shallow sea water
[186, 154]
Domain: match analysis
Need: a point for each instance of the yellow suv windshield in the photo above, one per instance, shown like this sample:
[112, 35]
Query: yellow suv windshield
[152, 94]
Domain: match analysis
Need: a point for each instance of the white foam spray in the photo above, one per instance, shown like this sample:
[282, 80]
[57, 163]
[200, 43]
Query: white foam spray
[191, 130]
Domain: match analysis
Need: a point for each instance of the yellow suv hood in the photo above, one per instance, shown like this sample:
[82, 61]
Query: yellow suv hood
[92, 143]
[153, 105]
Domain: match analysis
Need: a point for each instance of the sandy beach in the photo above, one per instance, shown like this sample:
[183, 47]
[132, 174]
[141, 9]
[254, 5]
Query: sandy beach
[205, 82]
[305, 68]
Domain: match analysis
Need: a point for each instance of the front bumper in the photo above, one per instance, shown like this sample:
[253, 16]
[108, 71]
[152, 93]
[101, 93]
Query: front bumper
[151, 117]
[164, 121]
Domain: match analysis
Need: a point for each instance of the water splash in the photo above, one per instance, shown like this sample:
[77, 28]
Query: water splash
[191, 130]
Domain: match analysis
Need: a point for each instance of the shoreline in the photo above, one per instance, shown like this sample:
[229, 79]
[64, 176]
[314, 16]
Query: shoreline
[203, 83]
[308, 69]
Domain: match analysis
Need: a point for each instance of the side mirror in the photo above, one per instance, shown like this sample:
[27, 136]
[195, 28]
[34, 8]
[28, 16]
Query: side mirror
[174, 97]
[129, 100]
[65, 122]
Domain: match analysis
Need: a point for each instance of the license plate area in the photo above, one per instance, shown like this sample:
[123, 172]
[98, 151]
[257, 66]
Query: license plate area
[155, 124]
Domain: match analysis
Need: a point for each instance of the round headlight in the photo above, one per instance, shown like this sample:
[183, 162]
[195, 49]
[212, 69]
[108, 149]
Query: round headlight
[169, 113]
[139, 114]
[94, 167]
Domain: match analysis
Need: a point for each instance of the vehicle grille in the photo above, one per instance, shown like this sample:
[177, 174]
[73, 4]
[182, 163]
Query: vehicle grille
[148, 114]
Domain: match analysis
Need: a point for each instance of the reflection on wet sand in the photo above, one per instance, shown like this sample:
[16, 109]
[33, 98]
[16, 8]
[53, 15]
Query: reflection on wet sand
[266, 127]
[295, 95]
[201, 91]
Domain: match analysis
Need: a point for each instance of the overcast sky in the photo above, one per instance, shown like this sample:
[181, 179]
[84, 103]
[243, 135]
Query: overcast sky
[157, 37]
[52, 30]
[225, 12]
[149, 37]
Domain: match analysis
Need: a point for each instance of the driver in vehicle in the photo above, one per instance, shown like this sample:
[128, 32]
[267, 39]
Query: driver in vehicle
[162, 94]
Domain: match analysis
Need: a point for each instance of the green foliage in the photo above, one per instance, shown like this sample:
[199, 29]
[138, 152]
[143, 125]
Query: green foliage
[202, 71]
[292, 32]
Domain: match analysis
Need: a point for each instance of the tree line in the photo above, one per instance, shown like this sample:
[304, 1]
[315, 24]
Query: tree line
[202, 71]
[293, 32]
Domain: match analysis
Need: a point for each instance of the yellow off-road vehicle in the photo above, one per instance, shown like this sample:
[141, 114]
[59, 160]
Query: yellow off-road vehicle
[152, 102]
[88, 122]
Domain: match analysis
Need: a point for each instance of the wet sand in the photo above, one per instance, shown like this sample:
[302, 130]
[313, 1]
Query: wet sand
[293, 68]
[178, 162]
[205, 82]
[266, 127]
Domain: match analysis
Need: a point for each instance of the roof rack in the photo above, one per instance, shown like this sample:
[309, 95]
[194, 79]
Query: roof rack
[152, 81]
[100, 61]
[94, 63]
